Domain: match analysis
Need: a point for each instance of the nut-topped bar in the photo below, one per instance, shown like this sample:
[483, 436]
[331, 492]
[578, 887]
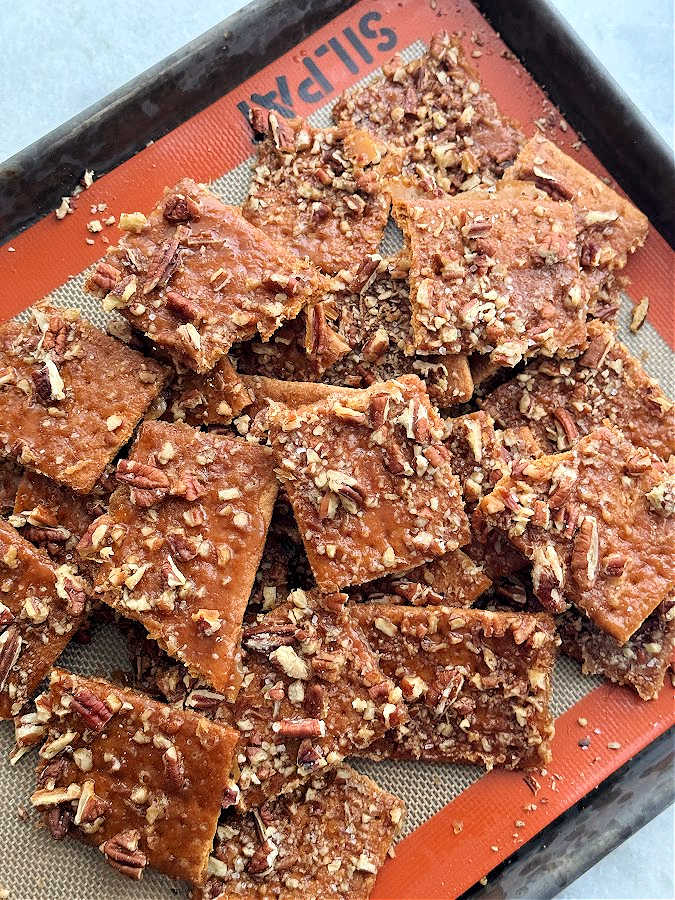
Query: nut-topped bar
[195, 277]
[54, 517]
[562, 400]
[369, 481]
[211, 399]
[179, 546]
[318, 191]
[70, 395]
[374, 319]
[435, 109]
[496, 274]
[141, 781]
[596, 524]
[329, 838]
[641, 663]
[609, 227]
[41, 608]
[477, 684]
[452, 580]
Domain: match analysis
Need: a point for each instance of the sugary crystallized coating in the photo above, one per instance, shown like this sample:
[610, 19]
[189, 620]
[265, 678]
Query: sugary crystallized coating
[179, 546]
[41, 608]
[70, 395]
[562, 400]
[318, 191]
[373, 318]
[449, 127]
[312, 693]
[211, 399]
[451, 580]
[640, 663]
[496, 274]
[609, 227]
[479, 459]
[477, 684]
[328, 839]
[596, 523]
[54, 517]
[196, 277]
[140, 780]
[369, 481]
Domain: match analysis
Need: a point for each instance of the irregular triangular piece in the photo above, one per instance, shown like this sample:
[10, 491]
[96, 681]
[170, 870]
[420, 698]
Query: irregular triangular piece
[373, 317]
[563, 400]
[211, 399]
[434, 107]
[318, 191]
[609, 226]
[300, 350]
[596, 522]
[328, 839]
[640, 663]
[141, 781]
[41, 608]
[477, 683]
[54, 517]
[453, 580]
[180, 544]
[370, 482]
[64, 379]
[496, 274]
[196, 277]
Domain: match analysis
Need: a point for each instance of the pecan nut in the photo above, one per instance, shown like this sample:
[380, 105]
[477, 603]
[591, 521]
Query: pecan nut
[584, 562]
[140, 475]
[10, 650]
[122, 853]
[269, 637]
[93, 710]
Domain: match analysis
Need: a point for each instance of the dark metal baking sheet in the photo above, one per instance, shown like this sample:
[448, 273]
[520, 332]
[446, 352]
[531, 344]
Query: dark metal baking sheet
[111, 131]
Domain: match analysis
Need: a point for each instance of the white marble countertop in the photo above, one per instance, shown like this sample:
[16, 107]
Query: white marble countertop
[58, 58]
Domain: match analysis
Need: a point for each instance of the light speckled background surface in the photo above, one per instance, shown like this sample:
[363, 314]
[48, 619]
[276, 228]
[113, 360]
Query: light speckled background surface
[58, 58]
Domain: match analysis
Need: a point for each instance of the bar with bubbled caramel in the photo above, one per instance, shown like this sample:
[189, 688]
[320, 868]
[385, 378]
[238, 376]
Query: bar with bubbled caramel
[141, 781]
[179, 546]
[477, 684]
[196, 277]
[370, 482]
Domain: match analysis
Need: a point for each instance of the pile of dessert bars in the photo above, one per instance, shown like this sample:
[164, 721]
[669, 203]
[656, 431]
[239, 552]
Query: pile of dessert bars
[340, 505]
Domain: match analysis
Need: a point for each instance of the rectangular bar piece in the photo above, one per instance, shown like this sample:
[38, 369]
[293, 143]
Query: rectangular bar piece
[70, 395]
[369, 481]
[596, 524]
[562, 400]
[640, 663]
[477, 683]
[496, 274]
[435, 109]
[318, 191]
[195, 277]
[609, 227]
[328, 839]
[374, 319]
[41, 608]
[141, 781]
[179, 546]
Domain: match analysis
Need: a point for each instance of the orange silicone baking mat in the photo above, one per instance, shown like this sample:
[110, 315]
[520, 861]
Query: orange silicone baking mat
[449, 845]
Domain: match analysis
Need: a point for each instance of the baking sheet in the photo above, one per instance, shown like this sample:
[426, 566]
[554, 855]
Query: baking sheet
[32, 866]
